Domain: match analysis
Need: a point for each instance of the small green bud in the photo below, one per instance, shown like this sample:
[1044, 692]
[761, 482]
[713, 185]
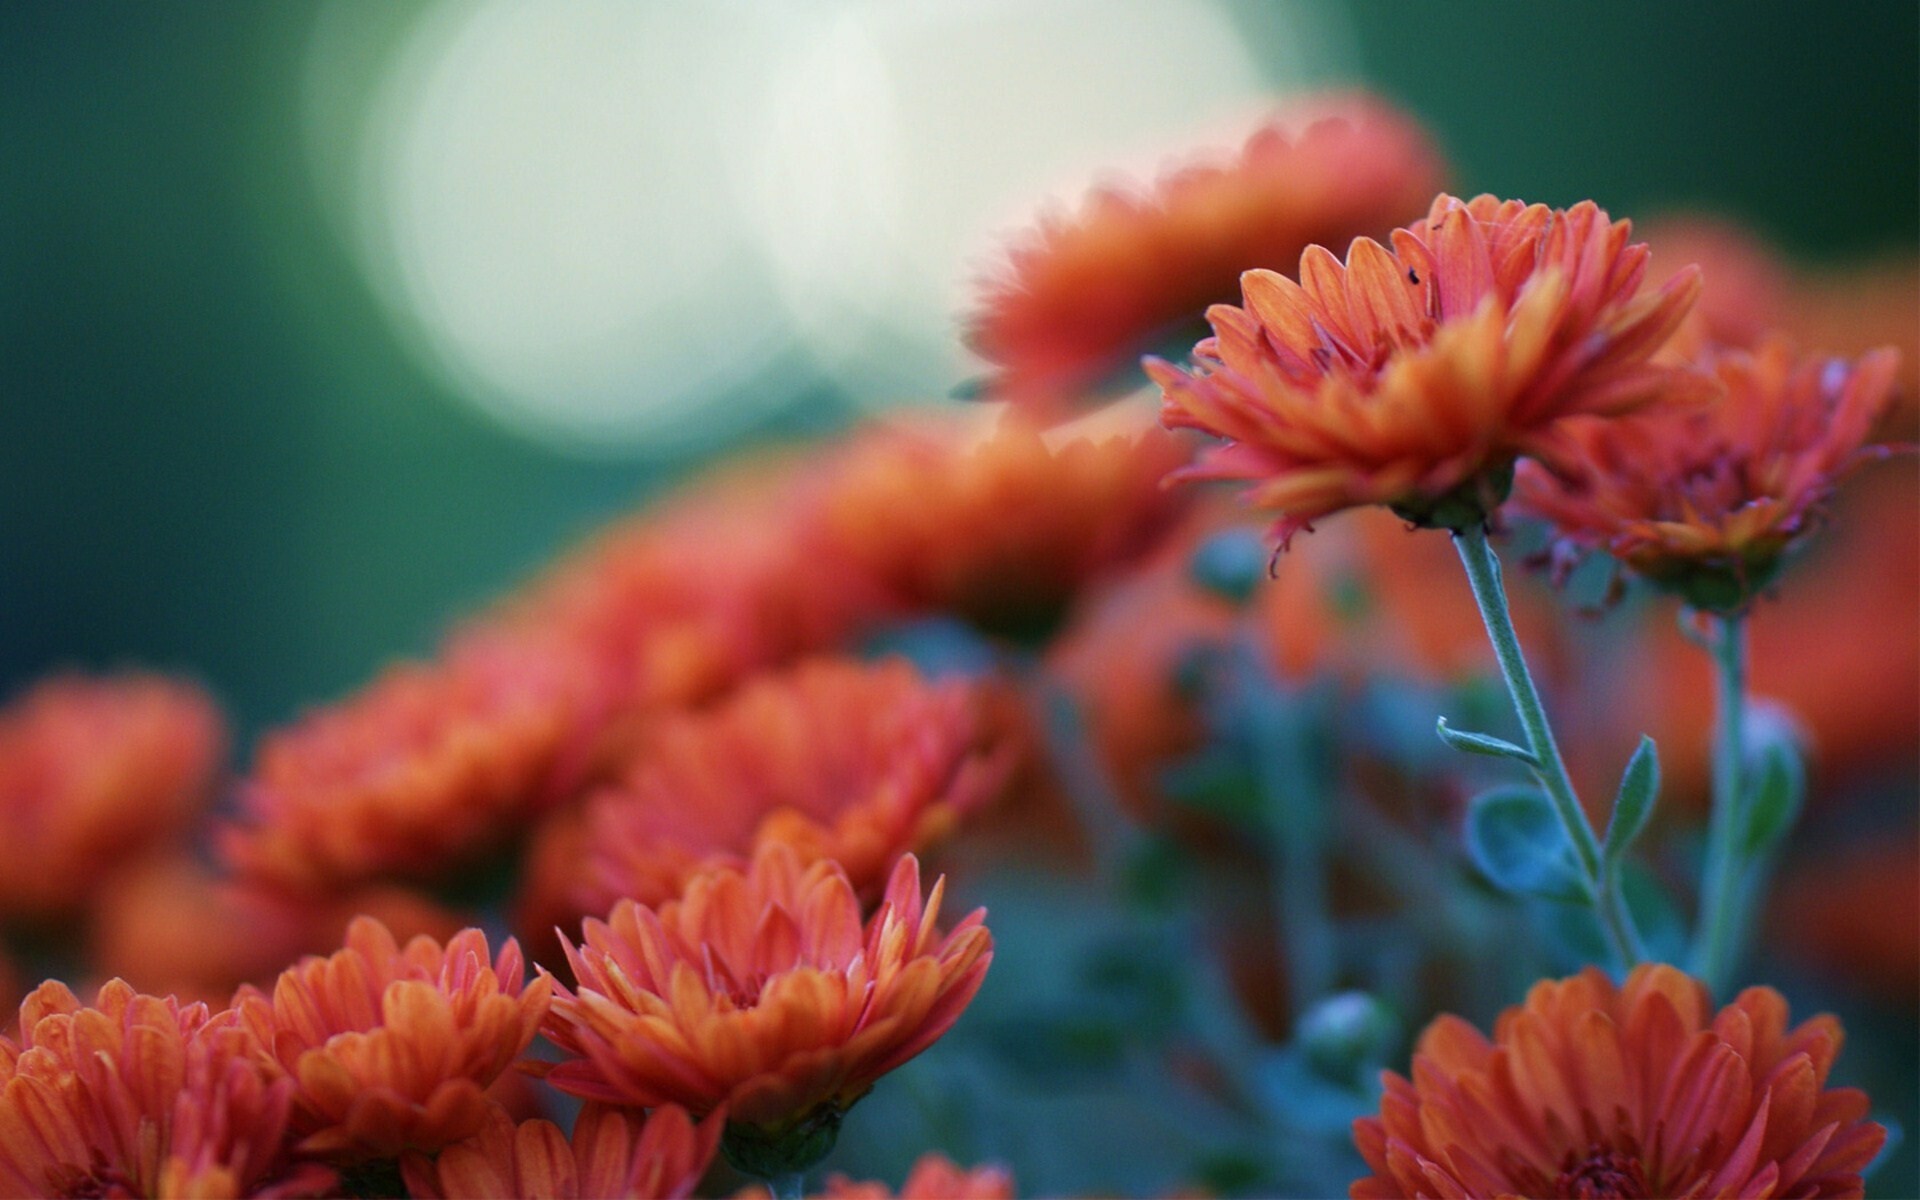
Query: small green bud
[1345, 1034]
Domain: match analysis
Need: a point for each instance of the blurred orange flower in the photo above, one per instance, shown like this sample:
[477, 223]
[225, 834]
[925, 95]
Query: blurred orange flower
[392, 1049]
[1706, 501]
[681, 601]
[613, 1154]
[855, 762]
[168, 925]
[428, 770]
[93, 770]
[761, 991]
[1749, 290]
[1082, 296]
[139, 1096]
[1851, 310]
[1589, 1089]
[1854, 912]
[988, 520]
[934, 1177]
[1746, 288]
[1414, 377]
[1363, 601]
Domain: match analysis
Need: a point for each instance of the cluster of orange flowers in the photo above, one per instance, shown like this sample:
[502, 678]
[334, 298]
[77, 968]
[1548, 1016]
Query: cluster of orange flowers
[667, 735]
[703, 807]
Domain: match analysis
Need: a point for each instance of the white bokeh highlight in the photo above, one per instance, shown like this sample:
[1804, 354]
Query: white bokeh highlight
[639, 228]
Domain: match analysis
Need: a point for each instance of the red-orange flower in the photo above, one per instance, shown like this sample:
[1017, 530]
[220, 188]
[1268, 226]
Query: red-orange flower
[855, 762]
[990, 521]
[761, 991]
[1413, 377]
[613, 1154]
[1086, 293]
[1589, 1089]
[1707, 500]
[93, 770]
[393, 1049]
[430, 768]
[140, 1096]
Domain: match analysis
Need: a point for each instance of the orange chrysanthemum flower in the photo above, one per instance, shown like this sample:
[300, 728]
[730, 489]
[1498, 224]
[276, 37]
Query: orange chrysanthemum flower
[393, 1049]
[990, 521]
[760, 990]
[855, 762]
[91, 772]
[139, 1096]
[1589, 1089]
[1085, 294]
[1707, 501]
[429, 769]
[614, 1154]
[1414, 377]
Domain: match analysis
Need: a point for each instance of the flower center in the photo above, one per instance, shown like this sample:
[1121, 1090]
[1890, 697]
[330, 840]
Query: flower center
[1603, 1175]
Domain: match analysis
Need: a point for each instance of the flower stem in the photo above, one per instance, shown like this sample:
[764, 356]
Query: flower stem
[1293, 802]
[1716, 946]
[1483, 573]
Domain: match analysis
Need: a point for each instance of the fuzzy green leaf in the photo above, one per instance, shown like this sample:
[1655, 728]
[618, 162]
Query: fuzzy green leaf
[1773, 803]
[1481, 743]
[1633, 804]
[1515, 839]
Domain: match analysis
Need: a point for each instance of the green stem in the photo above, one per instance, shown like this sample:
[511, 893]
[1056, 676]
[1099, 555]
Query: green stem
[1716, 946]
[1483, 573]
[1293, 802]
[1111, 837]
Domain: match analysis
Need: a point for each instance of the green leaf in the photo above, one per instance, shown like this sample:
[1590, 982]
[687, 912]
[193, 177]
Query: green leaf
[1480, 743]
[1633, 804]
[1515, 839]
[1774, 800]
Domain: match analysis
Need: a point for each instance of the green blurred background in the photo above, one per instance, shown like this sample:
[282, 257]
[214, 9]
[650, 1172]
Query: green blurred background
[227, 446]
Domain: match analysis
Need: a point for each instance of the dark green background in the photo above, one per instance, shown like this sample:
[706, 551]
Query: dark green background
[215, 456]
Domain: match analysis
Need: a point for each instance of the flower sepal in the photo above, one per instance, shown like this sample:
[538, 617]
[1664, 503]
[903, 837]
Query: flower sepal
[1468, 506]
[776, 1151]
